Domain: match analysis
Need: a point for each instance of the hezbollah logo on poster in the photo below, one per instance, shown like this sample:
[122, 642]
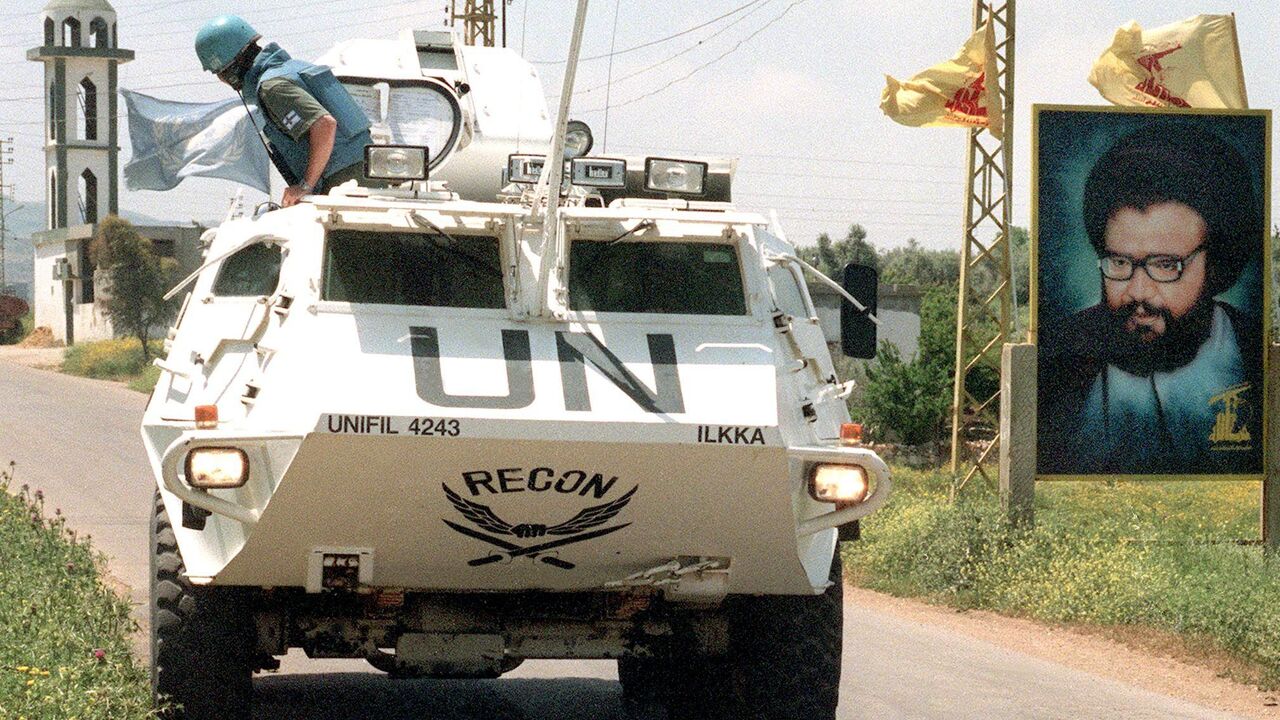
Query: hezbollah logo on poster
[1230, 427]
[1193, 63]
[959, 91]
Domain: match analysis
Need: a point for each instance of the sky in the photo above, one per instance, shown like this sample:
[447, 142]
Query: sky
[791, 87]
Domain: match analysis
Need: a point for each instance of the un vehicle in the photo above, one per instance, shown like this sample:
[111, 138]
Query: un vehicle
[449, 425]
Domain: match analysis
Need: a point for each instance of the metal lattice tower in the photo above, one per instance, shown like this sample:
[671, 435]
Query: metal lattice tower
[985, 315]
[479, 22]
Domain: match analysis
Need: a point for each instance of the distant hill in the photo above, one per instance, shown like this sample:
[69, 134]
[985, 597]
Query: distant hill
[30, 218]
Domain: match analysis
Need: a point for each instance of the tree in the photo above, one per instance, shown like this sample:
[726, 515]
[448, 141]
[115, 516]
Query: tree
[137, 279]
[1020, 246]
[914, 265]
[831, 257]
[908, 398]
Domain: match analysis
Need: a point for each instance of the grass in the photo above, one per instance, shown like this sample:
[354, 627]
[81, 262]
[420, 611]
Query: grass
[1130, 557]
[64, 648]
[120, 359]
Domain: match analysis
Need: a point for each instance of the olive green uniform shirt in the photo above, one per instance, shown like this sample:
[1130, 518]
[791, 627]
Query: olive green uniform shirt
[290, 107]
[294, 110]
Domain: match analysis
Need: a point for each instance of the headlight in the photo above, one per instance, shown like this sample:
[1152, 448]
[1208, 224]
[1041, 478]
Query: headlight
[577, 140]
[677, 177]
[213, 468]
[599, 172]
[395, 162]
[525, 169]
[844, 484]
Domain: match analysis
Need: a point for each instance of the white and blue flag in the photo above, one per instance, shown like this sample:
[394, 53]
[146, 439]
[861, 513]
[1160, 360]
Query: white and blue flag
[174, 140]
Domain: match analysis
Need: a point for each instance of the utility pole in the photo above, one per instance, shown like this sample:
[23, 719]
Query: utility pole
[478, 19]
[6, 195]
[985, 312]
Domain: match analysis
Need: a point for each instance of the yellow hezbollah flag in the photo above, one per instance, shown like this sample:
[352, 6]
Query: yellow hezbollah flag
[961, 91]
[1193, 63]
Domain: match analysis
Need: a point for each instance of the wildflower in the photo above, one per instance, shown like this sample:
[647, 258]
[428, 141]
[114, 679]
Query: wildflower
[23, 668]
[99, 654]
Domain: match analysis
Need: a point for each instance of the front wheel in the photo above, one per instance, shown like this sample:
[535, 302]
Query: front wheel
[201, 638]
[785, 653]
[783, 663]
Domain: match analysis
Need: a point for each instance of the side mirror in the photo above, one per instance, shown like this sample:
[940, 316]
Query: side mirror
[857, 331]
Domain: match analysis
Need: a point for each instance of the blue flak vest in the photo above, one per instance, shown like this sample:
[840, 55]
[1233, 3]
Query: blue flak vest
[353, 125]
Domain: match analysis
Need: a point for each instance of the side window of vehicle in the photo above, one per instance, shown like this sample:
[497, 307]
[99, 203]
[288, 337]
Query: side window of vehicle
[786, 291]
[252, 272]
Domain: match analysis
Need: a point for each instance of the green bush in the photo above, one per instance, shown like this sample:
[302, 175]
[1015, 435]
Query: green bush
[911, 399]
[146, 381]
[119, 359]
[64, 649]
[1160, 555]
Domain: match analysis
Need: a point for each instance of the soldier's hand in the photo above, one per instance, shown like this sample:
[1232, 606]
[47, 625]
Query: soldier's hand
[292, 195]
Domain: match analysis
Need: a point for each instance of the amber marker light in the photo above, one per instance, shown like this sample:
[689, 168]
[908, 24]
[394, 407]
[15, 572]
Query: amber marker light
[843, 484]
[206, 417]
[217, 468]
[851, 433]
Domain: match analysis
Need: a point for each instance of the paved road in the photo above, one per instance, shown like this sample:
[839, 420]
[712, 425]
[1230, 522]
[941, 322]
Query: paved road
[78, 441]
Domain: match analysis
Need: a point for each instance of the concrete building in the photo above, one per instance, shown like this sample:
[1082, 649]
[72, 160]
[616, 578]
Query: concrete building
[68, 300]
[81, 57]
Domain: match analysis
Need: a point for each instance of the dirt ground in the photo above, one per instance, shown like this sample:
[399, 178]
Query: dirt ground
[41, 357]
[1149, 660]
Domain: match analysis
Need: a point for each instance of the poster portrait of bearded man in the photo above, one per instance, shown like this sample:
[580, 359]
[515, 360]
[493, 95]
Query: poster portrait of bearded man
[1163, 375]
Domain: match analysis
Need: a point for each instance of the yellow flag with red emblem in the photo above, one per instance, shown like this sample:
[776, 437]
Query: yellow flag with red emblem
[962, 91]
[1194, 63]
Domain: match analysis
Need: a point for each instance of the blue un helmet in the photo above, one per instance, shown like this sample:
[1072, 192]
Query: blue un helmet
[221, 40]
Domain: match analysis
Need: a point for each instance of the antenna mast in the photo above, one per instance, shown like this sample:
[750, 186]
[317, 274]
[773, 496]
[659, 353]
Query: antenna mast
[6, 194]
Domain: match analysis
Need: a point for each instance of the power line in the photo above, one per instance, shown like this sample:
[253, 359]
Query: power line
[807, 158]
[846, 198]
[119, 10]
[659, 41]
[714, 60]
[169, 21]
[268, 24]
[613, 38]
[852, 218]
[671, 58]
[826, 176]
[859, 211]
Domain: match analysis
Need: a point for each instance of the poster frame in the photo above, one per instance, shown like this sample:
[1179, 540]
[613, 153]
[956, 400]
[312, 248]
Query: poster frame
[1268, 281]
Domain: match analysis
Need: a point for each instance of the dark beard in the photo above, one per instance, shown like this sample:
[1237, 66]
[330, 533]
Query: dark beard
[1176, 347]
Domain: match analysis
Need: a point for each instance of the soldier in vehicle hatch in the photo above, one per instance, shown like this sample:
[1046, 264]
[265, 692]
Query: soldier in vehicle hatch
[1162, 375]
[317, 131]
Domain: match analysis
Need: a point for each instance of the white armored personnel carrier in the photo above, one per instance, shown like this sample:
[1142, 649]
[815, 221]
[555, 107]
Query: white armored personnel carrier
[449, 425]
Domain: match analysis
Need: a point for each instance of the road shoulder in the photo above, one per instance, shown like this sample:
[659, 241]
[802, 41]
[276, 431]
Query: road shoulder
[1085, 651]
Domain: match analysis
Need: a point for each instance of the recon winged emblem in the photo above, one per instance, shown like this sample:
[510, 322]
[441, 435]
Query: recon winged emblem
[576, 529]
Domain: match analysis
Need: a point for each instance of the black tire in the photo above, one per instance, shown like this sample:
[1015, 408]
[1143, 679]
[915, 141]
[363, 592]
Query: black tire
[783, 663]
[785, 653]
[677, 686]
[201, 638]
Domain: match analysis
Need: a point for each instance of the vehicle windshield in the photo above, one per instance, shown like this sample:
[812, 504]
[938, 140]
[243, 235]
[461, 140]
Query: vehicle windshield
[693, 278]
[413, 268]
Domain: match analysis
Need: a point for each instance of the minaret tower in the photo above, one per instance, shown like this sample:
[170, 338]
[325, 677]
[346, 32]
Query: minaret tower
[81, 57]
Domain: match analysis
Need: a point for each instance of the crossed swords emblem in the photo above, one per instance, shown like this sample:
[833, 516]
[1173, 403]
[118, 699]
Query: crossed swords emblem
[574, 530]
